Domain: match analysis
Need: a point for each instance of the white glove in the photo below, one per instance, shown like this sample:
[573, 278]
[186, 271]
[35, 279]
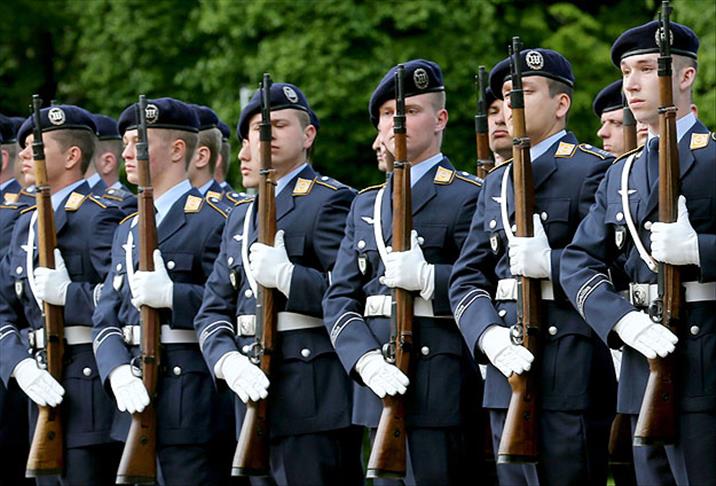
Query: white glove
[154, 289]
[38, 384]
[509, 358]
[530, 256]
[271, 266]
[676, 243]
[380, 376]
[646, 336]
[129, 391]
[51, 283]
[409, 270]
[245, 378]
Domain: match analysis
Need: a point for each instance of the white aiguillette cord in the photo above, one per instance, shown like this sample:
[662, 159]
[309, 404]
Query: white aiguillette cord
[378, 225]
[245, 249]
[628, 216]
[30, 258]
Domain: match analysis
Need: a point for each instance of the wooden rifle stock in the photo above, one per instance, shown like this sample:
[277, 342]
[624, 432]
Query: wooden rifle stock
[657, 417]
[388, 455]
[484, 162]
[46, 455]
[520, 440]
[252, 451]
[138, 462]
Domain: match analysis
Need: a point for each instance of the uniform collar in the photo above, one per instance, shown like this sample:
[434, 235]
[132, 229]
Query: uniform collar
[165, 202]
[5, 184]
[539, 149]
[683, 125]
[223, 184]
[93, 180]
[283, 181]
[60, 195]
[417, 171]
[116, 185]
[205, 188]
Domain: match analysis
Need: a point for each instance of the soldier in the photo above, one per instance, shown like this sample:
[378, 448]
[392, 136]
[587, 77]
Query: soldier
[608, 106]
[380, 153]
[107, 162]
[498, 136]
[576, 375]
[189, 232]
[207, 153]
[312, 441]
[619, 231]
[223, 162]
[357, 304]
[81, 264]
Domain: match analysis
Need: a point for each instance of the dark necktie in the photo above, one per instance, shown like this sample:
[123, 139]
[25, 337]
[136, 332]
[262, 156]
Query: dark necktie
[652, 161]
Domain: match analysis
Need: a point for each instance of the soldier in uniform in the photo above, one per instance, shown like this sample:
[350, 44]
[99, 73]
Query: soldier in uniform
[81, 264]
[312, 440]
[380, 153]
[498, 137]
[189, 232]
[357, 305]
[576, 375]
[608, 106]
[621, 230]
[9, 185]
[207, 153]
[107, 162]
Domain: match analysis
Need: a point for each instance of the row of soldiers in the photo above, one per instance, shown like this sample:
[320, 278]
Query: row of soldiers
[333, 268]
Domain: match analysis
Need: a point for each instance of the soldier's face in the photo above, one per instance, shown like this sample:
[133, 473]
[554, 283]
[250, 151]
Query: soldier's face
[54, 159]
[424, 125]
[289, 138]
[157, 147]
[544, 114]
[641, 86]
[380, 153]
[499, 137]
[612, 131]
[249, 166]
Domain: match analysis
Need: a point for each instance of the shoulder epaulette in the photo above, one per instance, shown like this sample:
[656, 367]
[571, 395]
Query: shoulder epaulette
[116, 194]
[28, 191]
[565, 150]
[28, 209]
[443, 176]
[699, 140]
[11, 197]
[627, 154]
[234, 196]
[713, 135]
[217, 195]
[216, 203]
[97, 201]
[303, 186]
[371, 188]
[12, 205]
[498, 166]
[193, 204]
[128, 217]
[467, 177]
[592, 150]
[245, 200]
[75, 200]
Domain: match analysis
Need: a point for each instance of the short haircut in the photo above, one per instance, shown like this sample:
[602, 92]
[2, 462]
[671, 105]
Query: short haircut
[558, 87]
[103, 146]
[12, 151]
[190, 140]
[304, 120]
[82, 139]
[225, 158]
[211, 139]
[438, 100]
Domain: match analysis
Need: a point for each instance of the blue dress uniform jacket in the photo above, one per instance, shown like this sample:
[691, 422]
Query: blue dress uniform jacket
[603, 238]
[12, 204]
[122, 197]
[443, 202]
[87, 409]
[573, 360]
[309, 390]
[188, 238]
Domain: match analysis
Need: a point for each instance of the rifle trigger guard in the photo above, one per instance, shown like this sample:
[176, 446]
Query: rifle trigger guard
[256, 350]
[388, 351]
[656, 310]
[41, 358]
[136, 366]
[517, 335]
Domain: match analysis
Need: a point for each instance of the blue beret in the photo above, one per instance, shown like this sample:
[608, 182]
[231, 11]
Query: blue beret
[534, 62]
[643, 40]
[608, 99]
[7, 129]
[421, 76]
[225, 131]
[489, 97]
[106, 127]
[207, 117]
[58, 117]
[161, 113]
[283, 96]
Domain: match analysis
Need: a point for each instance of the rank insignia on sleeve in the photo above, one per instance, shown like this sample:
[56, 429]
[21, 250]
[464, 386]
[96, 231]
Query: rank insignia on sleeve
[699, 140]
[443, 176]
[74, 201]
[302, 187]
[193, 204]
[565, 149]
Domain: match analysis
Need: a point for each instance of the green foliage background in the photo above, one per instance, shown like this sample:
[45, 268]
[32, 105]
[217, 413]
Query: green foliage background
[102, 53]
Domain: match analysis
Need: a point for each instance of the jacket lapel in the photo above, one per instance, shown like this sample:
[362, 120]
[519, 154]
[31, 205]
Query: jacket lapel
[175, 218]
[424, 190]
[61, 212]
[284, 201]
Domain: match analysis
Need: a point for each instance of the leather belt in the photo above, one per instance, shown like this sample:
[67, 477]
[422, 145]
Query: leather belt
[642, 295]
[507, 289]
[133, 335]
[287, 321]
[381, 306]
[74, 335]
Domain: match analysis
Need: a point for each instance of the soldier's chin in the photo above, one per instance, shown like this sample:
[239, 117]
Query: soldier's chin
[29, 179]
[132, 178]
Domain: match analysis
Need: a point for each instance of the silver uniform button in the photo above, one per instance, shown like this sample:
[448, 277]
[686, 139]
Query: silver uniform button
[552, 330]
[620, 216]
[543, 215]
[230, 260]
[502, 313]
[647, 225]
[694, 330]
[18, 270]
[118, 267]
[464, 173]
[248, 293]
[425, 350]
[177, 370]
[171, 264]
[493, 223]
[305, 352]
[361, 244]
[421, 240]
[87, 371]
[245, 349]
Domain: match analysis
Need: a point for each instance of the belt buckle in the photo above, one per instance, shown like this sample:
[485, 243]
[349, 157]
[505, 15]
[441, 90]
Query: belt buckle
[31, 339]
[639, 294]
[128, 335]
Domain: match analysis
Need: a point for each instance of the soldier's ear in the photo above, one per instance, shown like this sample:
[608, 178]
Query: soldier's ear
[202, 154]
[5, 159]
[441, 120]
[309, 136]
[564, 102]
[686, 77]
[178, 150]
[73, 157]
